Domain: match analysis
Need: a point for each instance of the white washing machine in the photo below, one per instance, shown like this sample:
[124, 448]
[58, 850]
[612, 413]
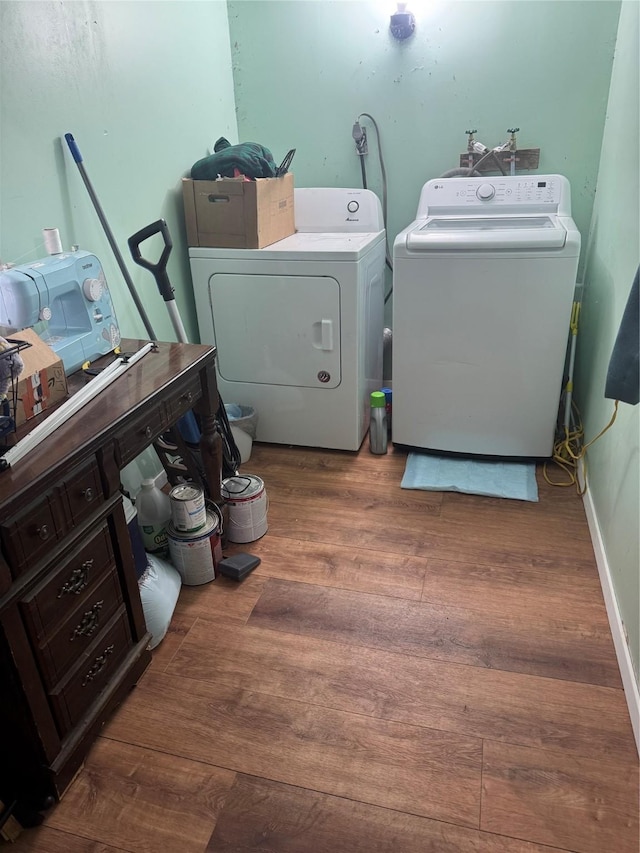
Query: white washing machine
[299, 324]
[484, 283]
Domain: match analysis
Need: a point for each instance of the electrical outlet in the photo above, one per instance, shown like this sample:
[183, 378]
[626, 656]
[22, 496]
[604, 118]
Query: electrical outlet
[359, 135]
[362, 146]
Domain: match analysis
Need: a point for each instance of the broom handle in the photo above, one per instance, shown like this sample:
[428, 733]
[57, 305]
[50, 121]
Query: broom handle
[77, 156]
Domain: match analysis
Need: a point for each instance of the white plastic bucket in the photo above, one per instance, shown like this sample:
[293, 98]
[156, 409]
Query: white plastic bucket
[247, 500]
[196, 555]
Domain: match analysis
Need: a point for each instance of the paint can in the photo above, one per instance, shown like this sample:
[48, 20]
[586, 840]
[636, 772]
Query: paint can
[196, 555]
[188, 511]
[247, 501]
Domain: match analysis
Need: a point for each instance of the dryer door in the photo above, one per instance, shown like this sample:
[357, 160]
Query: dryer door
[277, 329]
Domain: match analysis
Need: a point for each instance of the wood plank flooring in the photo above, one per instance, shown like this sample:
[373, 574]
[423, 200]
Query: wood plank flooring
[405, 672]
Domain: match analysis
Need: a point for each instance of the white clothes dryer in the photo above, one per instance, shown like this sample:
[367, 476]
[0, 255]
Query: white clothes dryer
[299, 324]
[484, 283]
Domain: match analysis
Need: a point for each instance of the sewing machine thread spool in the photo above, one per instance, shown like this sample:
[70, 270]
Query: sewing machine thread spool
[52, 241]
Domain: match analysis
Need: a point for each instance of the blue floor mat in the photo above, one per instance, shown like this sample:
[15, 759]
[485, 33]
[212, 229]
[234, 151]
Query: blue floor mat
[516, 480]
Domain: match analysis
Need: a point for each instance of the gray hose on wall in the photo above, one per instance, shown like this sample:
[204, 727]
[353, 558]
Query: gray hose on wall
[461, 173]
[473, 172]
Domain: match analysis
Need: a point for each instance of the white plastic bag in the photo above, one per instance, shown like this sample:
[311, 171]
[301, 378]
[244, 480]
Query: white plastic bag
[159, 589]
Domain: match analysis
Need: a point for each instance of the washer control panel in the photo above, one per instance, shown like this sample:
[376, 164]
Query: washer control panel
[539, 192]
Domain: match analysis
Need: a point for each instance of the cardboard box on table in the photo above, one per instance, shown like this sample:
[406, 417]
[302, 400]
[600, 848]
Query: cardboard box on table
[42, 382]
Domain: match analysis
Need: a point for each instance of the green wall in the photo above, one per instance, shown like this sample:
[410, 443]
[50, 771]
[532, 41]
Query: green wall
[305, 70]
[146, 88]
[613, 253]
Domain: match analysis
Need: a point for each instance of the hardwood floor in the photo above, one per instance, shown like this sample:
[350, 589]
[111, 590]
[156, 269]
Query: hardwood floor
[405, 672]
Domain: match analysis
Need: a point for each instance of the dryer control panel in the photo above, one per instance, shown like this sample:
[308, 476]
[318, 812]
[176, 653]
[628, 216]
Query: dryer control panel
[510, 194]
[334, 210]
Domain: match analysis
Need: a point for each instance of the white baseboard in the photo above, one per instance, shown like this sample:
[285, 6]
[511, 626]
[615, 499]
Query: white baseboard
[629, 683]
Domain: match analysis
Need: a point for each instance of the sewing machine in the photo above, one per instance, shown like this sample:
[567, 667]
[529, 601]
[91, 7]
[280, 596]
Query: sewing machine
[65, 299]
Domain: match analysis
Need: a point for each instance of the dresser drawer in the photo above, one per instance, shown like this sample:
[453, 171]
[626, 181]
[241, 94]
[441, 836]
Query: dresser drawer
[58, 595]
[56, 653]
[179, 404]
[82, 492]
[28, 537]
[141, 433]
[75, 694]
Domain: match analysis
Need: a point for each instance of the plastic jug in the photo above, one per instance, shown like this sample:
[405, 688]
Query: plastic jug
[154, 515]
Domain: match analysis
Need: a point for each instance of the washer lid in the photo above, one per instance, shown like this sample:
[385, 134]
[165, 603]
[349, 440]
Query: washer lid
[486, 232]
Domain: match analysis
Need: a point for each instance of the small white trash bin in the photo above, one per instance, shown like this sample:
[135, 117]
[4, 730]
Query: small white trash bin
[243, 421]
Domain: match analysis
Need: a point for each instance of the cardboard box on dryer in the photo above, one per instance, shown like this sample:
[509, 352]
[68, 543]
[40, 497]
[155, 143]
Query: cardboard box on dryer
[42, 381]
[233, 213]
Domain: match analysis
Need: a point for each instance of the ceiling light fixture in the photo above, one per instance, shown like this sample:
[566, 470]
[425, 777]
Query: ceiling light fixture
[403, 23]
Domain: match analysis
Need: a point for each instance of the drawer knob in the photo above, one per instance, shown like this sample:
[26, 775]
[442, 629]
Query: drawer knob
[188, 397]
[88, 495]
[78, 579]
[43, 532]
[88, 623]
[98, 664]
[148, 432]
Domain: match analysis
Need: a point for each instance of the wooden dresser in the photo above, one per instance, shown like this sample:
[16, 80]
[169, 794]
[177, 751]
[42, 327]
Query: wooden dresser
[73, 639]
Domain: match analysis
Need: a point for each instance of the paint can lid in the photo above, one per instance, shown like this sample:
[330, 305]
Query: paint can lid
[241, 488]
[186, 492]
